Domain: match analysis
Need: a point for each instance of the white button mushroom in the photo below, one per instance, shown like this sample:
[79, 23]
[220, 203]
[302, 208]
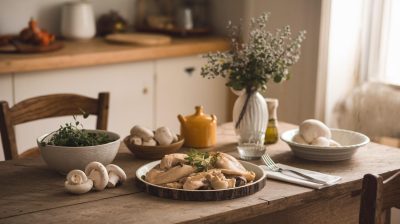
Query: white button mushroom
[312, 129]
[116, 175]
[98, 173]
[135, 140]
[298, 139]
[142, 132]
[320, 141]
[150, 142]
[77, 182]
[164, 136]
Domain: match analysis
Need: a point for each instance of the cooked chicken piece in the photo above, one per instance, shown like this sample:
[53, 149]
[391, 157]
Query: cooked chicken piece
[172, 159]
[249, 175]
[158, 176]
[175, 185]
[230, 165]
[196, 181]
[218, 180]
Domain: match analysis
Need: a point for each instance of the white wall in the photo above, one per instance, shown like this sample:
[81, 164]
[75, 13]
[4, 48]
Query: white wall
[297, 96]
[15, 14]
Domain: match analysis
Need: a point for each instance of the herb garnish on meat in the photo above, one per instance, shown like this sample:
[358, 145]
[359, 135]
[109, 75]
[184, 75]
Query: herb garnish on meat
[203, 161]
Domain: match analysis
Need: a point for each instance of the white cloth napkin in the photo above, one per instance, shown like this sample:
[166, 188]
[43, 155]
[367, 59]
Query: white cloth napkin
[293, 178]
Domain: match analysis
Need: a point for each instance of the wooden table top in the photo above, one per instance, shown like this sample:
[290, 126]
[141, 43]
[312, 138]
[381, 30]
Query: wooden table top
[29, 192]
[98, 52]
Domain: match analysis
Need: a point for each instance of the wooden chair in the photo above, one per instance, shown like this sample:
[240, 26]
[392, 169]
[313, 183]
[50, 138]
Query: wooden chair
[45, 107]
[377, 197]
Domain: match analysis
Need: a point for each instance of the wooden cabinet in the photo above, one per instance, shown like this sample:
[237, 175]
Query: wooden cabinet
[150, 93]
[180, 87]
[131, 87]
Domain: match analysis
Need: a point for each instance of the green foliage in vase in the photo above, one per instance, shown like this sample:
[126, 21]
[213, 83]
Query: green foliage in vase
[266, 56]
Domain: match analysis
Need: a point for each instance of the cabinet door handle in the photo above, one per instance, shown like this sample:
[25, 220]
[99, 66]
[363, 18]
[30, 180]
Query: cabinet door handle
[145, 90]
[189, 70]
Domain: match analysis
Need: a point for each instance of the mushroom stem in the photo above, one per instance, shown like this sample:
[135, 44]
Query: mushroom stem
[113, 180]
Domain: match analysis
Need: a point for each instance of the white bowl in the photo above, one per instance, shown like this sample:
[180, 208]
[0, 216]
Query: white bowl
[64, 159]
[350, 141]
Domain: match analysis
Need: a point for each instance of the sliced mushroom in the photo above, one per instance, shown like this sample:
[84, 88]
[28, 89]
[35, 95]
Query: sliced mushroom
[164, 136]
[115, 175]
[135, 140]
[142, 132]
[77, 182]
[98, 173]
[150, 142]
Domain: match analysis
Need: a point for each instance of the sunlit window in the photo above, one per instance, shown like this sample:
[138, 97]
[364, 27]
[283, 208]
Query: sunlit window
[391, 62]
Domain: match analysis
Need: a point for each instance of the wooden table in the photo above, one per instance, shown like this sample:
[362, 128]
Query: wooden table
[30, 193]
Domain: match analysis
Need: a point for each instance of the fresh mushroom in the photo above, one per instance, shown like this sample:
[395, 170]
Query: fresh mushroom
[135, 140]
[150, 142]
[77, 182]
[142, 132]
[164, 136]
[98, 173]
[115, 175]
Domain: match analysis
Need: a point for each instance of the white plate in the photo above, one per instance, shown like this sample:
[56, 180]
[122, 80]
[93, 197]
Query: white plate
[202, 195]
[349, 140]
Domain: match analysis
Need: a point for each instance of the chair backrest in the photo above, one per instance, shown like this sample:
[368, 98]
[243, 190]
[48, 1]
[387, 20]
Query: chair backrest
[377, 197]
[45, 107]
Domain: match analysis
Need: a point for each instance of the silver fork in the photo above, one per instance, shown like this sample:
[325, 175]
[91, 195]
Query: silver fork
[272, 166]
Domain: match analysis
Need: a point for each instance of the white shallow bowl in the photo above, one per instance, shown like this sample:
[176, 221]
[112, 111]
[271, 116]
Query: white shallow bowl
[64, 159]
[350, 141]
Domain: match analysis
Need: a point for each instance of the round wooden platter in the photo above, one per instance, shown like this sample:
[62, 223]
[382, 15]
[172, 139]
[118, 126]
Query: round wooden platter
[202, 195]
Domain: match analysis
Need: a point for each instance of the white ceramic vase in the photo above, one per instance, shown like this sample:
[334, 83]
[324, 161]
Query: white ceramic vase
[254, 122]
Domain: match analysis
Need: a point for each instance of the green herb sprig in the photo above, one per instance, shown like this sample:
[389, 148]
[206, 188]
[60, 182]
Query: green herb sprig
[203, 161]
[74, 135]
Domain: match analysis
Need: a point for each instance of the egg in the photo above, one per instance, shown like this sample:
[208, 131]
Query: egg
[298, 139]
[311, 129]
[321, 141]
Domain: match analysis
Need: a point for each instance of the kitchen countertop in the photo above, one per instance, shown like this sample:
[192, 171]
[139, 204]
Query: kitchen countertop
[99, 52]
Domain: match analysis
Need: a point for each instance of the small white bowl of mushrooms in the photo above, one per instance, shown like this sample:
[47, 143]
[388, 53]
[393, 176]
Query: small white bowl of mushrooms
[148, 144]
[315, 141]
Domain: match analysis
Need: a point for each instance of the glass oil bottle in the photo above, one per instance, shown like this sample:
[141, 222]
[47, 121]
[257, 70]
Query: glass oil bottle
[272, 134]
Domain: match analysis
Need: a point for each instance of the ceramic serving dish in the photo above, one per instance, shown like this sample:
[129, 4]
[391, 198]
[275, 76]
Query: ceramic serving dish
[201, 195]
[64, 159]
[153, 152]
[349, 140]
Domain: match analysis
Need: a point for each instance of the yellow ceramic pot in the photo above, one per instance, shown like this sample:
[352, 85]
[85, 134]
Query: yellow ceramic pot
[199, 130]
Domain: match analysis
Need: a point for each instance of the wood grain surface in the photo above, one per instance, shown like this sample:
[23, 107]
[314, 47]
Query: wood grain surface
[98, 52]
[30, 192]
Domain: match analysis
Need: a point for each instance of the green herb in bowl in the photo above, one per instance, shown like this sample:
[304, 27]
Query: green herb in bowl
[73, 135]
